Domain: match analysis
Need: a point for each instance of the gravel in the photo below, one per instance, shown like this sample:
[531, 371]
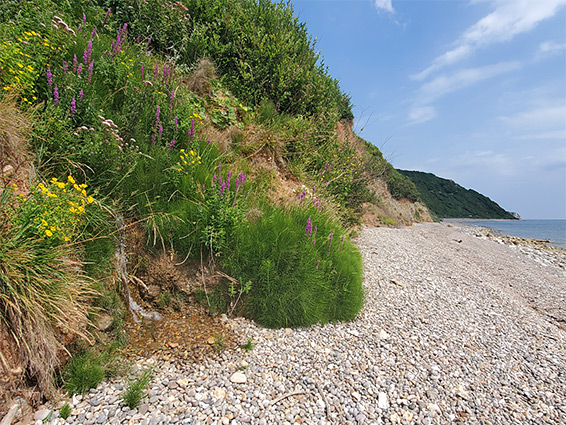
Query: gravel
[456, 328]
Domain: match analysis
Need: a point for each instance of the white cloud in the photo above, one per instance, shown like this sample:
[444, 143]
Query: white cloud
[508, 19]
[384, 5]
[421, 114]
[448, 83]
[552, 47]
[550, 117]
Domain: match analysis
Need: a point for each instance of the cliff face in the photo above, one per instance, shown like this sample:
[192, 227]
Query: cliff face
[447, 199]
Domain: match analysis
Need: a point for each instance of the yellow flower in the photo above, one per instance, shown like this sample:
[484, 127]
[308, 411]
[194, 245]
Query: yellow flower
[71, 180]
[48, 232]
[43, 222]
[90, 199]
[82, 186]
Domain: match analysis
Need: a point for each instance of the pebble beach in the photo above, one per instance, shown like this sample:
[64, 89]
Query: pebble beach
[458, 326]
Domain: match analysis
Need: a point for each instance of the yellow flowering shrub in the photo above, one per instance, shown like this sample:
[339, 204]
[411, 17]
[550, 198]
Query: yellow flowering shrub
[53, 211]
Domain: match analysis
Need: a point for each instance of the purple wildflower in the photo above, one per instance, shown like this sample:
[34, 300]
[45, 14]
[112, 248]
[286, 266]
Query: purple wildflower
[73, 106]
[222, 188]
[342, 245]
[148, 54]
[308, 227]
[160, 130]
[330, 240]
[107, 15]
[317, 263]
[157, 115]
[153, 139]
[172, 144]
[93, 32]
[138, 39]
[149, 40]
[90, 70]
[87, 53]
[65, 66]
[313, 241]
[171, 99]
[192, 126]
[49, 77]
[79, 69]
[75, 62]
[313, 190]
[155, 70]
[81, 94]
[315, 229]
[84, 19]
[55, 95]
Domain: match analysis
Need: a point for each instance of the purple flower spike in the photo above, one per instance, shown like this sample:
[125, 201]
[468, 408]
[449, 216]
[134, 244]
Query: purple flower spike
[75, 62]
[330, 240]
[171, 98]
[81, 94]
[317, 263]
[55, 95]
[65, 66]
[192, 126]
[106, 17]
[222, 188]
[157, 115]
[315, 229]
[342, 245]
[79, 69]
[313, 190]
[172, 144]
[160, 130]
[308, 227]
[313, 241]
[90, 70]
[93, 32]
[49, 77]
[73, 106]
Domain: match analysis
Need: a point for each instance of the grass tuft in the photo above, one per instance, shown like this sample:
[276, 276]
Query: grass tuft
[135, 391]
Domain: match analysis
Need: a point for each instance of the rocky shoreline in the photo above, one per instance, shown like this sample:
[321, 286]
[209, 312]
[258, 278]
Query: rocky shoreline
[458, 327]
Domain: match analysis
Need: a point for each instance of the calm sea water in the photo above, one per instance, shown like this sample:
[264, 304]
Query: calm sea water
[551, 230]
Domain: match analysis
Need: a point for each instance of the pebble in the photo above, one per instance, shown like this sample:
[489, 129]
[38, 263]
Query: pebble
[468, 332]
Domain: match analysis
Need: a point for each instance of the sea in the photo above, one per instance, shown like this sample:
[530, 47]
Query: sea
[547, 230]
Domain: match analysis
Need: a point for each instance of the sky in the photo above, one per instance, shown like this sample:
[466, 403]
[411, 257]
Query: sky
[470, 90]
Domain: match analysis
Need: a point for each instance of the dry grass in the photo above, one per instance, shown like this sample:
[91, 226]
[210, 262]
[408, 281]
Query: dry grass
[15, 127]
[202, 73]
[43, 302]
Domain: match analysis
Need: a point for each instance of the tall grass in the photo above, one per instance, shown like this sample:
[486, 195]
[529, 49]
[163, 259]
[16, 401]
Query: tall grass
[300, 275]
[43, 298]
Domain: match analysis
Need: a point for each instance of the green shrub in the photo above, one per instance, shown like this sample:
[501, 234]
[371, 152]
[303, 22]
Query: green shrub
[84, 371]
[301, 270]
[136, 388]
[65, 411]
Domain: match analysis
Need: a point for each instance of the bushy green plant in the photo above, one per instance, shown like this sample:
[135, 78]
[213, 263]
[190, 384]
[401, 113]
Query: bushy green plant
[302, 267]
[136, 388]
[65, 411]
[84, 371]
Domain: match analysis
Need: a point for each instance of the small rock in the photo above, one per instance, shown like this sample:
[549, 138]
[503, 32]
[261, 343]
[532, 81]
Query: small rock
[238, 378]
[382, 401]
[383, 334]
[41, 414]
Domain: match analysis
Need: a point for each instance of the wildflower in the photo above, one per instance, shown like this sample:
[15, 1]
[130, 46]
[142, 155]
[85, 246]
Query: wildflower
[73, 106]
[157, 113]
[81, 94]
[87, 53]
[342, 244]
[330, 240]
[49, 77]
[176, 123]
[171, 98]
[93, 32]
[75, 62]
[172, 144]
[160, 130]
[55, 95]
[48, 232]
[192, 126]
[317, 263]
[222, 188]
[65, 66]
[90, 70]
[308, 227]
[106, 17]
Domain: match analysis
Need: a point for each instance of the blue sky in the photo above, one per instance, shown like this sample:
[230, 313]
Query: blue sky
[470, 90]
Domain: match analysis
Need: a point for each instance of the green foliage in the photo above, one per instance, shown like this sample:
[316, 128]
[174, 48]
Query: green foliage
[65, 411]
[136, 389]
[248, 345]
[447, 199]
[260, 47]
[85, 371]
[299, 276]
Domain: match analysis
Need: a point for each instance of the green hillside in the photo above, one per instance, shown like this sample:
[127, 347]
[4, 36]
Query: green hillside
[447, 199]
[143, 143]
